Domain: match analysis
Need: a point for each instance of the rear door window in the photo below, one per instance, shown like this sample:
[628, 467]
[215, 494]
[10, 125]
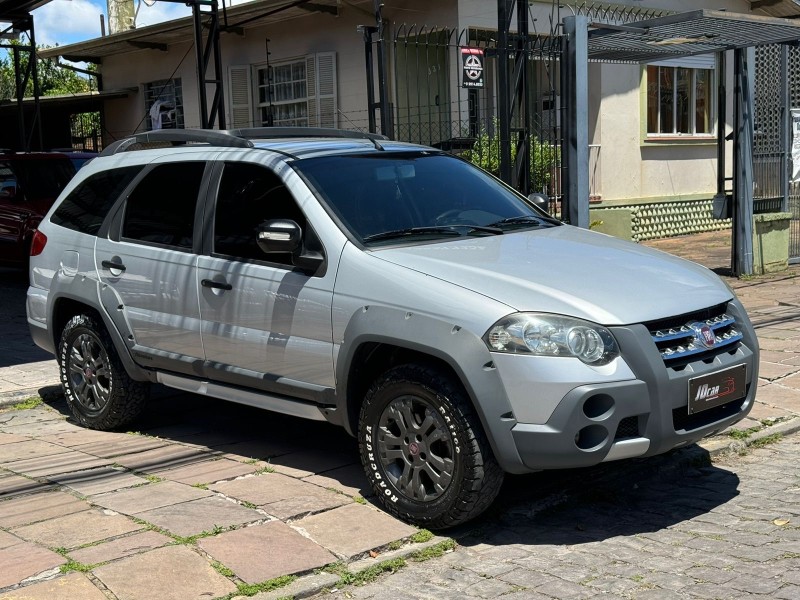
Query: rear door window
[161, 209]
[40, 178]
[87, 206]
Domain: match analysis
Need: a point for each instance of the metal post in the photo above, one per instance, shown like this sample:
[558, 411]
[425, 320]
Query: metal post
[722, 119]
[576, 30]
[744, 60]
[786, 128]
[383, 92]
[368, 31]
[36, 126]
[504, 8]
[201, 74]
[20, 94]
[219, 99]
[523, 160]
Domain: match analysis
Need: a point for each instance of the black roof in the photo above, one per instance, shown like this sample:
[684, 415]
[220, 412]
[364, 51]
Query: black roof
[14, 10]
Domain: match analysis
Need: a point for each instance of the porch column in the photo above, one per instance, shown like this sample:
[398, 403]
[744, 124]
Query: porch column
[576, 134]
[744, 61]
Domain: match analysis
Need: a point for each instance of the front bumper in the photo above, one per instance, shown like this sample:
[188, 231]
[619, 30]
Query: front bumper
[641, 417]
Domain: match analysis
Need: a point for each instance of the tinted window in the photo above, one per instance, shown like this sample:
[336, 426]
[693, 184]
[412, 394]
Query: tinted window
[40, 178]
[88, 204]
[249, 195]
[161, 208]
[386, 191]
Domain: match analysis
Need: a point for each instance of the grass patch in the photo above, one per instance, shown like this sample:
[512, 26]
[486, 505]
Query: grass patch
[191, 539]
[743, 434]
[251, 589]
[72, 565]
[358, 499]
[790, 555]
[247, 504]
[28, 403]
[367, 575]
[154, 478]
[266, 469]
[434, 551]
[222, 569]
[423, 535]
[200, 486]
[766, 441]
[395, 545]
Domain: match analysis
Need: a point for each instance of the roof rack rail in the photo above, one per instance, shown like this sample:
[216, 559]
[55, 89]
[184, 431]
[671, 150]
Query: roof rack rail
[178, 136]
[261, 133]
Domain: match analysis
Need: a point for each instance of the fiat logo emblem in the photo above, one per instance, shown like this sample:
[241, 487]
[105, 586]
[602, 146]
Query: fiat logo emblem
[704, 334]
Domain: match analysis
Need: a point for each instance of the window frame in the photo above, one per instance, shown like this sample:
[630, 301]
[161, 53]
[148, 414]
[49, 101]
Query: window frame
[674, 135]
[269, 86]
[154, 90]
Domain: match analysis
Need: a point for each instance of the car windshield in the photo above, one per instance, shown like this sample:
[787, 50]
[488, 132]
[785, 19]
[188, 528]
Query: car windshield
[388, 197]
[40, 179]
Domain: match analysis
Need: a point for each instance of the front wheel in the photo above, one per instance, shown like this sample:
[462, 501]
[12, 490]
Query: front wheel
[424, 450]
[99, 393]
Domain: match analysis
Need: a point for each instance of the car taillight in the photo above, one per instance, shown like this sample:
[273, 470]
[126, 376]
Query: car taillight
[38, 243]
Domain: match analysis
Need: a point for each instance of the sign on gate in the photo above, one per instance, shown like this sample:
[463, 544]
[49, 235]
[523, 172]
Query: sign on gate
[795, 145]
[471, 67]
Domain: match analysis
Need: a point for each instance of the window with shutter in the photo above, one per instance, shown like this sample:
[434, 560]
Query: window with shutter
[241, 96]
[299, 93]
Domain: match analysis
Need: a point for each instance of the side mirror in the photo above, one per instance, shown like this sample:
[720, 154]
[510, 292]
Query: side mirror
[8, 193]
[539, 200]
[279, 236]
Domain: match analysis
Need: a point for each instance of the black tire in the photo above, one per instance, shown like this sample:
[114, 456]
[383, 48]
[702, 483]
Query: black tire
[99, 392]
[424, 450]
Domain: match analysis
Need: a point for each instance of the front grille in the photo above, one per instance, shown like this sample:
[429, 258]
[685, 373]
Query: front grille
[683, 421]
[627, 428]
[676, 338]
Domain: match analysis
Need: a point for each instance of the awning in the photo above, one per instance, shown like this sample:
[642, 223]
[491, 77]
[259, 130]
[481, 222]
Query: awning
[687, 34]
[162, 35]
[79, 102]
[14, 10]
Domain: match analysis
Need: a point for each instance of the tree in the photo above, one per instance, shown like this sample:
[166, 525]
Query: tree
[53, 80]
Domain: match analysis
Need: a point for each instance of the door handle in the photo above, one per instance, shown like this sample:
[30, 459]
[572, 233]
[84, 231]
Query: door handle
[109, 264]
[218, 285]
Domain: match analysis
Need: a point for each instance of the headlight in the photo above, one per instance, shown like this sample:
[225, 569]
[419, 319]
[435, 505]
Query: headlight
[552, 335]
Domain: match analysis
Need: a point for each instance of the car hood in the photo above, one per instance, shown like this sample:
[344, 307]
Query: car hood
[570, 271]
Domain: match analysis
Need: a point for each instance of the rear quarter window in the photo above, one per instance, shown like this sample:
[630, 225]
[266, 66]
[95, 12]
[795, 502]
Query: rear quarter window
[87, 206]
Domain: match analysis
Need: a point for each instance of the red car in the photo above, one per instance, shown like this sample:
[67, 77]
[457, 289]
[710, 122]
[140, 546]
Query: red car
[29, 184]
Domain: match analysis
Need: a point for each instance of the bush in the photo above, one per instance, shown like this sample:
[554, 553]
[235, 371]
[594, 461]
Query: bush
[485, 153]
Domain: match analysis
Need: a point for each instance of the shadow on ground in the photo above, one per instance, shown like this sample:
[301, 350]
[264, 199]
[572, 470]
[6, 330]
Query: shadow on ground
[566, 507]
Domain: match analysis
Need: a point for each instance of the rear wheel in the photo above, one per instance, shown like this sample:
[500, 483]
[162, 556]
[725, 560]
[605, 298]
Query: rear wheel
[99, 392]
[424, 450]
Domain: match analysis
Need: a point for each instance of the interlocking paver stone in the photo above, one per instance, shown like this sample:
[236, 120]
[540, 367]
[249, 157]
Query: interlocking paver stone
[147, 497]
[308, 462]
[74, 586]
[173, 573]
[242, 551]
[210, 471]
[77, 529]
[44, 505]
[7, 540]
[24, 560]
[353, 529]
[196, 516]
[120, 548]
[98, 481]
[66, 462]
[163, 458]
[15, 485]
[28, 449]
[282, 496]
[121, 443]
[11, 438]
[349, 480]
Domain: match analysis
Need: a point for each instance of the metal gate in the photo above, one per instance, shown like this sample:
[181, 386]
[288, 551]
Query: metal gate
[432, 107]
[777, 90]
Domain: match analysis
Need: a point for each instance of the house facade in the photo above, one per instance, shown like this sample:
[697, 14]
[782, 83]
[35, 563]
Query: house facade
[652, 128]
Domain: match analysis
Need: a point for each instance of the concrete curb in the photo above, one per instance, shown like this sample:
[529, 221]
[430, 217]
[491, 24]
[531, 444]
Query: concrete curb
[722, 443]
[310, 585]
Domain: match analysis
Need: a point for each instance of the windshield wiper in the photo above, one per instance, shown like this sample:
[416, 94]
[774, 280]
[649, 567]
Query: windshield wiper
[519, 220]
[443, 229]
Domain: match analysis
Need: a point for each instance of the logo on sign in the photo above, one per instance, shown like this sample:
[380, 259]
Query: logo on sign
[704, 334]
[472, 67]
[712, 392]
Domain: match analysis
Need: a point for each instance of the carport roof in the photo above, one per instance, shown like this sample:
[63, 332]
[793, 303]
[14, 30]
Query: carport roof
[14, 10]
[79, 102]
[685, 34]
[162, 35]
